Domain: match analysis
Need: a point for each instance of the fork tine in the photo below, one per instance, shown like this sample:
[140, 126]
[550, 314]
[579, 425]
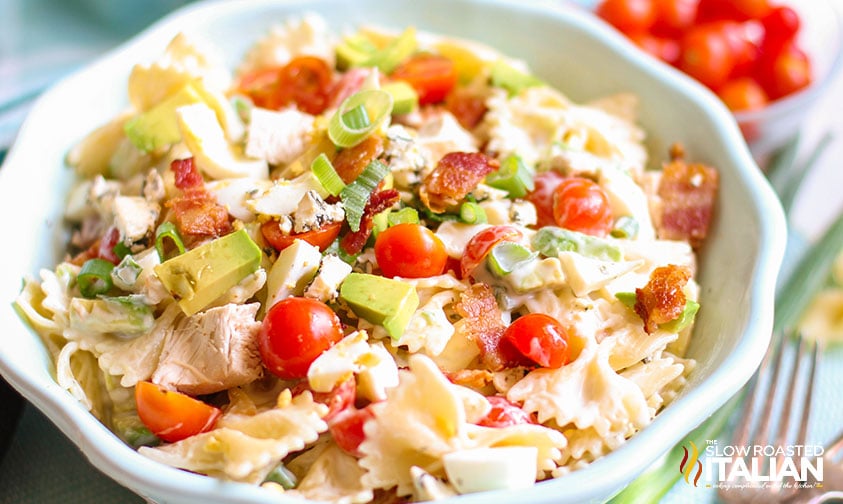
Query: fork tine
[809, 393]
[786, 415]
[769, 401]
[744, 426]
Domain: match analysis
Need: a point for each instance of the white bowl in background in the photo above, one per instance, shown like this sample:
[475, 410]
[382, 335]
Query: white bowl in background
[567, 47]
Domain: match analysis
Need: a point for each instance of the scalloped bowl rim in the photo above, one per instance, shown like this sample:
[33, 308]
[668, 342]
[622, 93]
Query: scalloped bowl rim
[149, 478]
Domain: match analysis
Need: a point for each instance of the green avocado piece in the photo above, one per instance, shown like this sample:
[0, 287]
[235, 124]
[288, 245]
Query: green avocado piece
[158, 127]
[405, 99]
[201, 275]
[382, 301]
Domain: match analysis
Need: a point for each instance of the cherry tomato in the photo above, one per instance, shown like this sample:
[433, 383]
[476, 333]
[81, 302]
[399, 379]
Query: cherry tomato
[480, 244]
[410, 251]
[294, 333]
[305, 81]
[504, 413]
[738, 10]
[541, 338]
[628, 16]
[786, 72]
[338, 399]
[663, 48]
[322, 237]
[580, 204]
[780, 25]
[171, 415]
[707, 55]
[743, 93]
[468, 107]
[432, 76]
[674, 16]
[347, 428]
[107, 243]
[542, 196]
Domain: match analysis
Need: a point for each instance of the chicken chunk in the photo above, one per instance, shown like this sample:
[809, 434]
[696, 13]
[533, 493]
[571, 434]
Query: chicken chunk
[212, 351]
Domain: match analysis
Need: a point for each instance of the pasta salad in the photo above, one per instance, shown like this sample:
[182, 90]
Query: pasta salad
[372, 265]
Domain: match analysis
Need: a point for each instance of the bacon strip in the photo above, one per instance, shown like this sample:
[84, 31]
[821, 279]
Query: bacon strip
[688, 192]
[196, 211]
[353, 242]
[479, 307]
[456, 174]
[662, 299]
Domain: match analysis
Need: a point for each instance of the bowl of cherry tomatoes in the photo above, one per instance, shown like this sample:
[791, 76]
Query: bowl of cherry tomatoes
[767, 60]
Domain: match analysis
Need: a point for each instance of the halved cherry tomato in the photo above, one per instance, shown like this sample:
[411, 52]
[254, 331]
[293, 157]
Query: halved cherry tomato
[107, 244]
[505, 413]
[786, 72]
[431, 75]
[294, 333]
[781, 25]
[480, 244]
[322, 237]
[338, 399]
[541, 338]
[410, 251]
[707, 55]
[663, 48]
[628, 16]
[542, 196]
[743, 93]
[580, 204]
[347, 428]
[674, 16]
[171, 415]
[738, 10]
[305, 81]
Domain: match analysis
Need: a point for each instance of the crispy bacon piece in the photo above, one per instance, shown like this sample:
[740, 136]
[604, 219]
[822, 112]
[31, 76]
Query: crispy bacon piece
[688, 192]
[351, 162]
[468, 107]
[187, 175]
[379, 201]
[196, 211]
[662, 299]
[477, 379]
[456, 174]
[478, 305]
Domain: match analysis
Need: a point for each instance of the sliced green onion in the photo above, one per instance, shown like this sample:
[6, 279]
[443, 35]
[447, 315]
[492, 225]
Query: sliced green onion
[472, 213]
[355, 195]
[357, 118]
[380, 222]
[506, 256]
[327, 175]
[345, 130]
[121, 250]
[126, 274]
[95, 277]
[354, 50]
[512, 79]
[406, 215]
[513, 176]
[625, 227]
[399, 49]
[283, 476]
[550, 240]
[167, 231]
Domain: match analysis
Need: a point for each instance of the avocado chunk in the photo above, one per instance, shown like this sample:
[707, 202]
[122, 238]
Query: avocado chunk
[201, 275]
[382, 301]
[158, 127]
[405, 99]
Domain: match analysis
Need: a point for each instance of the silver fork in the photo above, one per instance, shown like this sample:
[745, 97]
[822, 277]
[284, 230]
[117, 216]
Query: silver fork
[756, 428]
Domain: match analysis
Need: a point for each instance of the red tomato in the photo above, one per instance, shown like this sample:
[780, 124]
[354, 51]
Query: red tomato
[107, 244]
[432, 76]
[663, 48]
[743, 93]
[481, 243]
[739, 10]
[347, 428]
[305, 81]
[674, 16]
[322, 237]
[541, 338]
[338, 399]
[786, 72]
[628, 16]
[707, 55]
[542, 196]
[580, 204]
[294, 333]
[171, 415]
[780, 27]
[410, 251]
[505, 413]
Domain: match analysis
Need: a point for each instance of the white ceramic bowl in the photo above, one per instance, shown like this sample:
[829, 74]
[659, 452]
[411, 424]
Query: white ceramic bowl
[568, 47]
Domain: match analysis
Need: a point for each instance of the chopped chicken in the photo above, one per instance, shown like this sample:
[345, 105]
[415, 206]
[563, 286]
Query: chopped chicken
[278, 137]
[212, 351]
